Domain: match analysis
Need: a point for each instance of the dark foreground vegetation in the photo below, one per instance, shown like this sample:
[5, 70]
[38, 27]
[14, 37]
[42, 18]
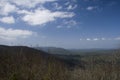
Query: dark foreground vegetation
[24, 63]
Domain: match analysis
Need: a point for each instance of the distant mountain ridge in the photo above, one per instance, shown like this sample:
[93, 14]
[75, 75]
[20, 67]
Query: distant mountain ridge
[62, 51]
[55, 50]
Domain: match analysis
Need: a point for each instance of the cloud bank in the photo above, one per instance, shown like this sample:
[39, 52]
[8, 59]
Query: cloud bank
[13, 34]
[8, 20]
[42, 16]
[32, 12]
[99, 39]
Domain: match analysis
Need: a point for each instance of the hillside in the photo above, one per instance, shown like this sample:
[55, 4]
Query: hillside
[24, 63]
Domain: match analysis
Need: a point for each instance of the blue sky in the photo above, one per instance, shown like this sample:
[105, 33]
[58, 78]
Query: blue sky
[60, 23]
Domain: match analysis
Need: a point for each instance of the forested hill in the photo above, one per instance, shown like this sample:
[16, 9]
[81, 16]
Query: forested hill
[24, 63]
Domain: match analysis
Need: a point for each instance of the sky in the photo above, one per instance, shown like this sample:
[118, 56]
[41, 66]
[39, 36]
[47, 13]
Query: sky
[78, 24]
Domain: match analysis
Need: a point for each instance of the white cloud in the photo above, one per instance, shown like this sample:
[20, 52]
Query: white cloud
[29, 3]
[88, 39]
[59, 26]
[100, 39]
[118, 38]
[90, 8]
[70, 23]
[10, 6]
[8, 20]
[71, 7]
[35, 15]
[103, 39]
[12, 34]
[42, 16]
[57, 6]
[95, 39]
[23, 12]
[67, 3]
[6, 8]
[67, 24]
[80, 39]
